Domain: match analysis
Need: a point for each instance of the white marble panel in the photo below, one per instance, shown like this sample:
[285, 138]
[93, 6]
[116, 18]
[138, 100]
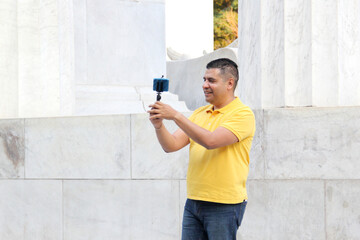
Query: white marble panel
[349, 52]
[284, 210]
[149, 161]
[131, 49]
[325, 83]
[133, 209]
[272, 54]
[30, 88]
[38, 59]
[8, 59]
[320, 143]
[342, 210]
[12, 148]
[257, 162]
[183, 197]
[106, 107]
[67, 57]
[31, 210]
[297, 43]
[80, 41]
[249, 53]
[78, 147]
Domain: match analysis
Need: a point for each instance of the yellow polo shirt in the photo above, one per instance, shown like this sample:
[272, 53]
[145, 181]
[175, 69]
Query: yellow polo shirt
[219, 175]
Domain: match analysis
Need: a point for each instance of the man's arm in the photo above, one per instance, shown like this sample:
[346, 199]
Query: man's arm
[219, 138]
[169, 142]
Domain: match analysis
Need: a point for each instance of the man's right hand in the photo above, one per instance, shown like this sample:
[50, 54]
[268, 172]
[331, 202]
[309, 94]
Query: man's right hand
[157, 122]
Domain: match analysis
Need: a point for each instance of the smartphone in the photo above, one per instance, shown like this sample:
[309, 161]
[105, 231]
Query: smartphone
[161, 85]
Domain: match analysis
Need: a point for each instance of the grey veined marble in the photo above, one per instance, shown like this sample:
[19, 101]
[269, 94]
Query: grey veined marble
[315, 143]
[342, 209]
[149, 161]
[30, 209]
[121, 209]
[11, 148]
[78, 147]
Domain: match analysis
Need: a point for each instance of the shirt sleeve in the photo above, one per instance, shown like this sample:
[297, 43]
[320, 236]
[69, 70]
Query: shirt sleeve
[241, 123]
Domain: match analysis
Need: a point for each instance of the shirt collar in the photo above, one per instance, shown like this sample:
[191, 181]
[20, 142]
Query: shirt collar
[224, 109]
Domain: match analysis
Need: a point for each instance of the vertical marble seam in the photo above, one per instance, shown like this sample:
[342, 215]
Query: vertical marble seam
[325, 213]
[131, 138]
[180, 221]
[17, 60]
[311, 55]
[262, 142]
[86, 43]
[24, 132]
[62, 210]
[338, 55]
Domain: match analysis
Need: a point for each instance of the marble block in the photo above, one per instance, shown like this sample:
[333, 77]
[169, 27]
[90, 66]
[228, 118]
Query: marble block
[39, 53]
[320, 143]
[342, 209]
[257, 162]
[324, 49]
[284, 210]
[297, 44]
[85, 107]
[78, 147]
[249, 53]
[131, 49]
[9, 97]
[272, 88]
[121, 209]
[349, 52]
[31, 210]
[183, 197]
[149, 161]
[66, 57]
[80, 41]
[12, 148]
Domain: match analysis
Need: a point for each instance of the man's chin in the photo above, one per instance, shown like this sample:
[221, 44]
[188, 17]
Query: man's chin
[209, 100]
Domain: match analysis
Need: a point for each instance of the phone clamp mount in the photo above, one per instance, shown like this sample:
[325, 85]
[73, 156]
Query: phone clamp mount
[160, 85]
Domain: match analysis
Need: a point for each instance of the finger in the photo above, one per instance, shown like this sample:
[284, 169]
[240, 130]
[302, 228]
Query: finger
[154, 117]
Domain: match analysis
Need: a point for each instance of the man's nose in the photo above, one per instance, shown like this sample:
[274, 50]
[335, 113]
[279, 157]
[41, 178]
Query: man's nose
[205, 84]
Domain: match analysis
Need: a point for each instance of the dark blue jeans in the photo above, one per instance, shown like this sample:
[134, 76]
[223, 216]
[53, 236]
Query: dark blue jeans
[211, 221]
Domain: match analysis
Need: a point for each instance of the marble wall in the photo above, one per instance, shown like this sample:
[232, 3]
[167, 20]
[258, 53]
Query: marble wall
[119, 42]
[299, 53]
[107, 177]
[8, 59]
[49, 47]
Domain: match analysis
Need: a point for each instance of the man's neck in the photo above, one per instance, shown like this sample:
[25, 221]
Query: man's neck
[224, 103]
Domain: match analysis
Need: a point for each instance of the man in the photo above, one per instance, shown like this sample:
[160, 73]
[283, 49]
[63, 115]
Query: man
[220, 137]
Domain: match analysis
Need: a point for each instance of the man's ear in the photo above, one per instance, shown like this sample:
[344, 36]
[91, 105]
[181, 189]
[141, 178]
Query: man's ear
[230, 83]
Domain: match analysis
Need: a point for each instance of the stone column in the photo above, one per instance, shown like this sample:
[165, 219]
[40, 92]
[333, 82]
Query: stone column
[46, 56]
[299, 52]
[8, 59]
[349, 52]
[119, 49]
[38, 58]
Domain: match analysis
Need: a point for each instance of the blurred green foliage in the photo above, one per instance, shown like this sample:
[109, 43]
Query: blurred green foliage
[225, 22]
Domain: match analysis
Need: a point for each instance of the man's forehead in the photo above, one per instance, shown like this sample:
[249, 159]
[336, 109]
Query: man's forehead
[212, 72]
